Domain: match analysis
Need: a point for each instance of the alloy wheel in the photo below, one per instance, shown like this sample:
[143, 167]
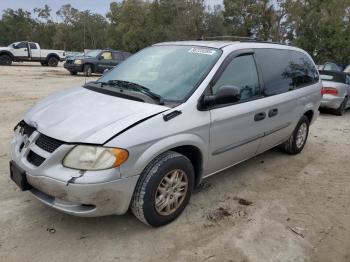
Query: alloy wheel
[301, 135]
[171, 192]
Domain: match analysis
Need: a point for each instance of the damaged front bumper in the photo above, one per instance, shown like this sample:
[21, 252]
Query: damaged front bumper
[81, 193]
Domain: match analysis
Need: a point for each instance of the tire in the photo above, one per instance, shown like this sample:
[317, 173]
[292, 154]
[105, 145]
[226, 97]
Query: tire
[73, 73]
[153, 184]
[5, 60]
[296, 143]
[87, 70]
[52, 61]
[341, 110]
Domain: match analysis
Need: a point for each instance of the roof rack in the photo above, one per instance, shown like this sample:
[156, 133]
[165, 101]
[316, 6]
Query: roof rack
[229, 37]
[242, 39]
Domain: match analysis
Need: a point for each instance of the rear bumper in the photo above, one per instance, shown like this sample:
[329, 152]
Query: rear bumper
[332, 102]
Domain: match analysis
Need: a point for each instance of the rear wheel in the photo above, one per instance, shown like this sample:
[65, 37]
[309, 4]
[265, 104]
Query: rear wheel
[297, 140]
[53, 61]
[341, 110]
[5, 60]
[87, 70]
[163, 190]
[73, 73]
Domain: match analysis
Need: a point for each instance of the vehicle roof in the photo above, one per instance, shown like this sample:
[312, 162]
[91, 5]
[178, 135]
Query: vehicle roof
[221, 44]
[212, 44]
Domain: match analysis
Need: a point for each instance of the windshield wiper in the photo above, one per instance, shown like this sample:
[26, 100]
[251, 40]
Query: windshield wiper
[134, 87]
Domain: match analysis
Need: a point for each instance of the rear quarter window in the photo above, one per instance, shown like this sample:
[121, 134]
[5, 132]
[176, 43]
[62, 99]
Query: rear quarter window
[32, 46]
[303, 72]
[285, 70]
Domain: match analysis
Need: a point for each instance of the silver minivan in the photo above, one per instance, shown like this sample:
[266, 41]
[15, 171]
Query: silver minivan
[146, 133]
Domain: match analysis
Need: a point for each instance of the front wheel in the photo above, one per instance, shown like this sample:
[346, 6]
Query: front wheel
[163, 190]
[5, 60]
[297, 140]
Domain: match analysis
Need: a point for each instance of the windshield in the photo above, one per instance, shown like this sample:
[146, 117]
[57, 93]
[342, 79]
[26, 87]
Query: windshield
[13, 44]
[171, 72]
[93, 53]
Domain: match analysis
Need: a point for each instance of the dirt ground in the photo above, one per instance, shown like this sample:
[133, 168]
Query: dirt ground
[274, 207]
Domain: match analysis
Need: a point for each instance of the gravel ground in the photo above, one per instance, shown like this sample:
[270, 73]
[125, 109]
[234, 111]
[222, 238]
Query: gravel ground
[274, 207]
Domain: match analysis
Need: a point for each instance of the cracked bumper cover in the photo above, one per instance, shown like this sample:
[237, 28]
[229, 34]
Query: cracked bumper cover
[95, 193]
[87, 200]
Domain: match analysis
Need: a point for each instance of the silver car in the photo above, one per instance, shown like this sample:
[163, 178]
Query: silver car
[147, 132]
[335, 91]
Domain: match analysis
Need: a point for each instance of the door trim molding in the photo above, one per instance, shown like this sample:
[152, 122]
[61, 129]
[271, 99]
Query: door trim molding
[249, 140]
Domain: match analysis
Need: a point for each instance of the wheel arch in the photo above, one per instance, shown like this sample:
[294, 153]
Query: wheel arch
[52, 55]
[189, 145]
[90, 64]
[4, 52]
[310, 115]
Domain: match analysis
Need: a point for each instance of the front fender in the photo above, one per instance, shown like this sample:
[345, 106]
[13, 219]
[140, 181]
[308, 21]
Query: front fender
[7, 53]
[140, 156]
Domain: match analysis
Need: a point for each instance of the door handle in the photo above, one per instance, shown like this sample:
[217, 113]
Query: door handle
[260, 116]
[273, 112]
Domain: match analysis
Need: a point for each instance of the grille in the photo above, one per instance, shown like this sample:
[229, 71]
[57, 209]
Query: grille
[47, 143]
[35, 159]
[27, 129]
[69, 61]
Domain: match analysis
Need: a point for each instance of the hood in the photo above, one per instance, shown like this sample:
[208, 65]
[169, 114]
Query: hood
[5, 48]
[84, 116]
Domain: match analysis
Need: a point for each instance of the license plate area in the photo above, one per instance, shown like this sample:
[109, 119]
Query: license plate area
[18, 175]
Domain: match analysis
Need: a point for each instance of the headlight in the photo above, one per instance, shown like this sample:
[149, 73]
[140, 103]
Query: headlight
[84, 157]
[77, 62]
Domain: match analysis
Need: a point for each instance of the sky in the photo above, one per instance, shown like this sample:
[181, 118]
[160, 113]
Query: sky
[97, 6]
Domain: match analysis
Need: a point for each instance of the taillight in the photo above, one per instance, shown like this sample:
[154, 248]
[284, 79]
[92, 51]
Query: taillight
[329, 91]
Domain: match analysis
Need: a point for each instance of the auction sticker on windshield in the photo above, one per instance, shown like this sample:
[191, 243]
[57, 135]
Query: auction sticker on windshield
[202, 51]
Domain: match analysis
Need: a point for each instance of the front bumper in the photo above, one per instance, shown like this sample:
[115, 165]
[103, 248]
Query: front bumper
[89, 193]
[330, 101]
[88, 200]
[73, 67]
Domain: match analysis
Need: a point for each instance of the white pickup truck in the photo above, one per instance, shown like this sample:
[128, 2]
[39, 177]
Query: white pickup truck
[30, 52]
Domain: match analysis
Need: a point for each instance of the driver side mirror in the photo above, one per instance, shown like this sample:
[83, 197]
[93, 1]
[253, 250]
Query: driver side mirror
[226, 94]
[15, 47]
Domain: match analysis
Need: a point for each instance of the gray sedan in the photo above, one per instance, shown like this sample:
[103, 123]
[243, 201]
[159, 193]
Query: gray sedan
[335, 91]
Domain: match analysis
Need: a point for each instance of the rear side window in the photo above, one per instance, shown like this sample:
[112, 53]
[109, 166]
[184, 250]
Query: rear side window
[117, 56]
[32, 46]
[275, 68]
[302, 70]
